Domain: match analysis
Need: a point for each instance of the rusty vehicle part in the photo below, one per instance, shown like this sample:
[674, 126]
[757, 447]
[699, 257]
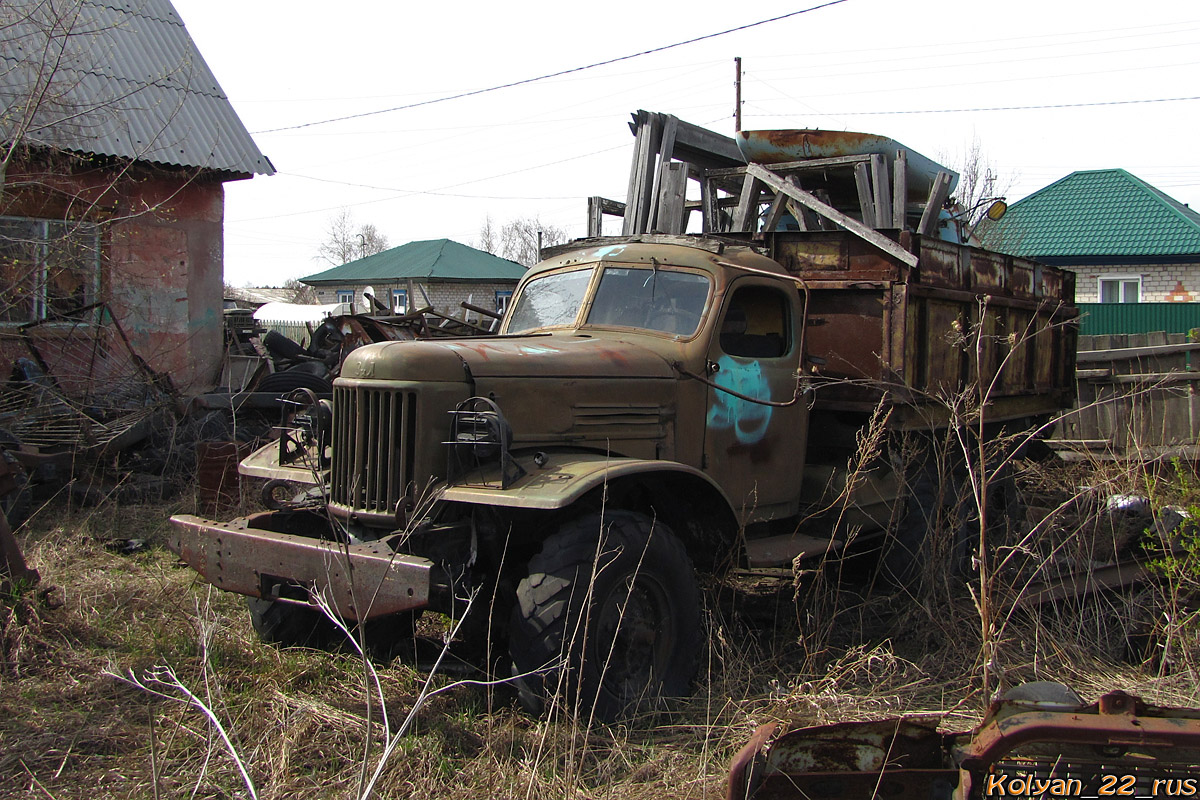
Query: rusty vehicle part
[235, 557]
[1039, 741]
[12, 561]
[258, 372]
[783, 146]
[218, 482]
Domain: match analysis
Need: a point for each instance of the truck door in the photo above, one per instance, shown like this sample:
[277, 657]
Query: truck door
[753, 450]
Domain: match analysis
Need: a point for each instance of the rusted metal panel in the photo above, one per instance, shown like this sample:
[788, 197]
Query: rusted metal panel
[1130, 732]
[832, 255]
[360, 580]
[217, 479]
[920, 341]
[780, 146]
[1020, 748]
[845, 330]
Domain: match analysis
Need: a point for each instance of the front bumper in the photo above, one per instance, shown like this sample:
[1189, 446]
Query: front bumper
[360, 581]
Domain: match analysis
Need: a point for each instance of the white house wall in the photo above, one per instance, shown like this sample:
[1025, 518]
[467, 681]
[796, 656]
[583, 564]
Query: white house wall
[1161, 283]
[444, 296]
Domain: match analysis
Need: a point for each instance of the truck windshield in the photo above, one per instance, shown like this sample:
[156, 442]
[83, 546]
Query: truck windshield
[550, 301]
[660, 299]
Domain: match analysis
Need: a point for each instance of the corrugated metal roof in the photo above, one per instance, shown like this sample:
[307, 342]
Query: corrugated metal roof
[261, 294]
[1107, 212]
[440, 259]
[127, 81]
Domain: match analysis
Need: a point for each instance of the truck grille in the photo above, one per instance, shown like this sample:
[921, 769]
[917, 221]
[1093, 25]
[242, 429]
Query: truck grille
[374, 434]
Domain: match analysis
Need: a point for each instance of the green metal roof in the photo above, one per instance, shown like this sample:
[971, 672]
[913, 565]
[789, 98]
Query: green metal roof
[1103, 212]
[438, 259]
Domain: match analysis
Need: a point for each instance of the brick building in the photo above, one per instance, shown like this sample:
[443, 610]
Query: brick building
[439, 272]
[1127, 241]
[122, 140]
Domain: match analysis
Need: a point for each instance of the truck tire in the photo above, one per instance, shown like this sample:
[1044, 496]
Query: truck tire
[290, 625]
[608, 617]
[906, 553]
[936, 502]
[290, 380]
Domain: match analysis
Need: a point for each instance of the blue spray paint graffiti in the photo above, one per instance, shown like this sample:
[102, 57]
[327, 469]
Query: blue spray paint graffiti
[748, 420]
[607, 252]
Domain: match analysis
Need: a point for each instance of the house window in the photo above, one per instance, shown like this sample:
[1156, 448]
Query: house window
[1121, 289]
[49, 269]
[503, 298]
[346, 296]
[400, 301]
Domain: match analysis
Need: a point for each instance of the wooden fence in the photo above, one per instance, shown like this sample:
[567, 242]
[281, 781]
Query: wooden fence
[1137, 398]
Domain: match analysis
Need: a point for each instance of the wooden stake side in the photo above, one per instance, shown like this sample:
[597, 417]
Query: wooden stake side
[830, 213]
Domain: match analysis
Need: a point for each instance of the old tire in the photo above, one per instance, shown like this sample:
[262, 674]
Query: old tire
[608, 617]
[283, 348]
[290, 624]
[288, 381]
[932, 541]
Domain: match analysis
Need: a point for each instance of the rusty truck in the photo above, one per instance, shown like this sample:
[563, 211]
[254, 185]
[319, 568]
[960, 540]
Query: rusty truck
[652, 407]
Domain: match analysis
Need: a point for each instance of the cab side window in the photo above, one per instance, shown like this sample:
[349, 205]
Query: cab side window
[756, 323]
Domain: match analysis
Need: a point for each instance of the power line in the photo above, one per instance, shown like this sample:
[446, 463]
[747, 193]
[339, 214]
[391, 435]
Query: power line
[475, 92]
[440, 191]
[419, 191]
[992, 108]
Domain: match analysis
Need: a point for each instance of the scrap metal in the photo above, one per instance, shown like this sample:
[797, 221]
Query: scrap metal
[1023, 748]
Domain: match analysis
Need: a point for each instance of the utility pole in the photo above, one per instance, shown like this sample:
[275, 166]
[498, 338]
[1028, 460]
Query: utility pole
[737, 93]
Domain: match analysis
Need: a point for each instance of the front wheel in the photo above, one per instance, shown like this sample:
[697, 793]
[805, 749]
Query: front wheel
[297, 625]
[608, 617]
[290, 624]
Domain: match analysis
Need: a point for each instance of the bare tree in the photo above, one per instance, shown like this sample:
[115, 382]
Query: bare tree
[520, 239]
[345, 241]
[978, 183]
[301, 292]
[488, 237]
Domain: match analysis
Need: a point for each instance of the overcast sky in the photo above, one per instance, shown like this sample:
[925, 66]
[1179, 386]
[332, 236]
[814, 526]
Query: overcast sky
[932, 74]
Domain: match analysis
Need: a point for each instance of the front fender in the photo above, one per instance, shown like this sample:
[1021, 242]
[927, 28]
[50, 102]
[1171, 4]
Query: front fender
[561, 480]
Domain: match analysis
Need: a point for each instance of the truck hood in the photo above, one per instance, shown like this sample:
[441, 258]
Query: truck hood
[545, 355]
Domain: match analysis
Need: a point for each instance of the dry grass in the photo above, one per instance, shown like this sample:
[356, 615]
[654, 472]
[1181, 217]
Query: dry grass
[69, 729]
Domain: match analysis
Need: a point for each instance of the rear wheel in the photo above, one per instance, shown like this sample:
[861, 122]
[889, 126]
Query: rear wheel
[608, 617]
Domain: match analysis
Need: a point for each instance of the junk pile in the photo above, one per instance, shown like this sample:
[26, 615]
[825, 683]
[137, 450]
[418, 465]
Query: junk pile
[79, 399]
[82, 410]
[262, 367]
[1094, 541]
[1040, 740]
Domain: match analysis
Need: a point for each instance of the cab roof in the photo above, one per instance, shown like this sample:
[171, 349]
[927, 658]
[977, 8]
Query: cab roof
[704, 252]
